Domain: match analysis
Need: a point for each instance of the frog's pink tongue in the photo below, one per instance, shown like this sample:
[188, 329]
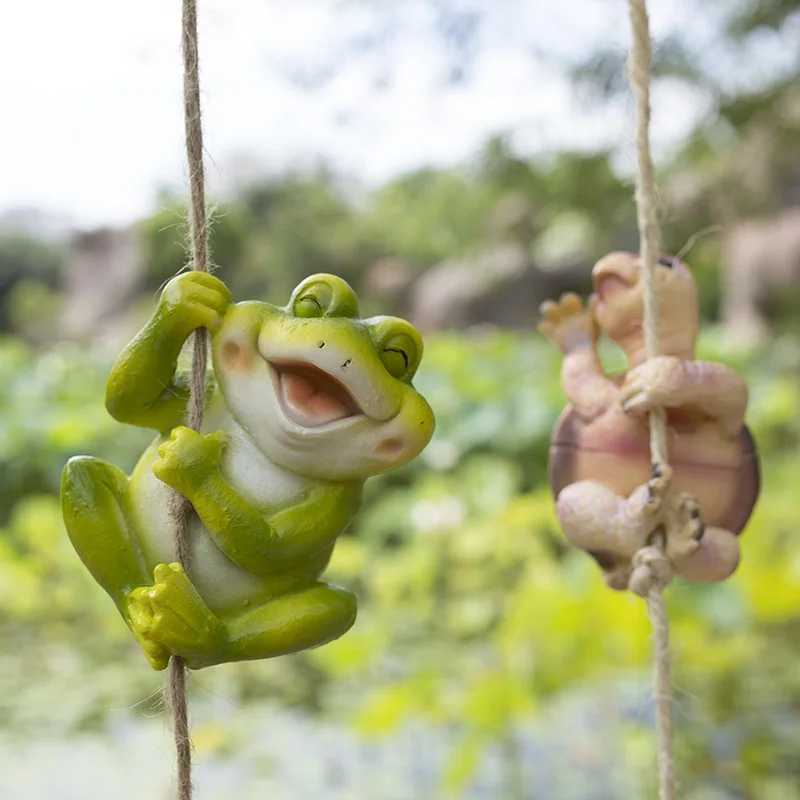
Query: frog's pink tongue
[308, 403]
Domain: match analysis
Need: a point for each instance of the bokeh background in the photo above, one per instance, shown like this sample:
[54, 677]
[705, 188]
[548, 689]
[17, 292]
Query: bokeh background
[458, 161]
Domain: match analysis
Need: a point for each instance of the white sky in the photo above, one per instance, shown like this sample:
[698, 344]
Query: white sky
[90, 92]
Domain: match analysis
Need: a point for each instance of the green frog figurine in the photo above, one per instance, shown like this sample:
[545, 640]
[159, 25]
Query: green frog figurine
[307, 401]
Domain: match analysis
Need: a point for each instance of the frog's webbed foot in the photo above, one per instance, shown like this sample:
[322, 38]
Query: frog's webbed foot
[678, 517]
[140, 619]
[170, 618]
[686, 528]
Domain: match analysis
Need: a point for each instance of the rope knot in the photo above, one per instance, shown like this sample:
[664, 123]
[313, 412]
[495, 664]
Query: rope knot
[651, 570]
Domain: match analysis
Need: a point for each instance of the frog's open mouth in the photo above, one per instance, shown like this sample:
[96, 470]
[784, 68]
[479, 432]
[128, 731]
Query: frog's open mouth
[311, 397]
[607, 283]
[614, 274]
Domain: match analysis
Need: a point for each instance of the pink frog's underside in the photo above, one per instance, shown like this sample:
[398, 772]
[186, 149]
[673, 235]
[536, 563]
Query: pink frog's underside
[615, 450]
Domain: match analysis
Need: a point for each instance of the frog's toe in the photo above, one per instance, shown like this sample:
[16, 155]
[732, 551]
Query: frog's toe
[180, 619]
[154, 652]
[686, 530]
[140, 612]
[635, 399]
[141, 619]
[658, 485]
[172, 589]
[165, 572]
[571, 303]
[549, 310]
[173, 631]
[690, 518]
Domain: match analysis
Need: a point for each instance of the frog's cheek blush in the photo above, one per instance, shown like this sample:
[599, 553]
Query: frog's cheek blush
[236, 356]
[390, 448]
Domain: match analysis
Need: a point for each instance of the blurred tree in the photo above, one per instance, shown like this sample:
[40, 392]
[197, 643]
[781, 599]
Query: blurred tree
[28, 258]
[748, 16]
[430, 215]
[164, 238]
[301, 224]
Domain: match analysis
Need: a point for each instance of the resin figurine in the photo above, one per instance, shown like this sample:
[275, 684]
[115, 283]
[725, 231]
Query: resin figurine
[306, 402]
[600, 469]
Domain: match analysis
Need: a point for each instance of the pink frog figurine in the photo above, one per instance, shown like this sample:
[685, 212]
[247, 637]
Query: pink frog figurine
[600, 469]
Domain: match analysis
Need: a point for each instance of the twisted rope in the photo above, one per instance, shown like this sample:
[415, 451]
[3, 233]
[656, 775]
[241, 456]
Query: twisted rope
[181, 509]
[652, 571]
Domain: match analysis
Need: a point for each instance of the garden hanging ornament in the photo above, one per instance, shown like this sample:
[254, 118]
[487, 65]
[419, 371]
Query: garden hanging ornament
[236, 514]
[307, 401]
[617, 494]
[610, 499]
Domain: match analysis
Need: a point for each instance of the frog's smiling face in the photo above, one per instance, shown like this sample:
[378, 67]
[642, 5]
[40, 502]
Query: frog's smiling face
[320, 391]
[619, 298]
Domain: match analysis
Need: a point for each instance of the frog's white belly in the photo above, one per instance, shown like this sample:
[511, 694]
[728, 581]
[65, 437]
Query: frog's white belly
[220, 582]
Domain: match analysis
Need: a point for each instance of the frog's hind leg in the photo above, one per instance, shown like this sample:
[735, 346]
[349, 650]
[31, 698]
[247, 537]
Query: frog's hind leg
[93, 504]
[715, 560]
[292, 622]
[609, 527]
[172, 615]
[612, 528]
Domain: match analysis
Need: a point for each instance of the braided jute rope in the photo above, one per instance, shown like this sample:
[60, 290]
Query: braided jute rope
[652, 570]
[181, 509]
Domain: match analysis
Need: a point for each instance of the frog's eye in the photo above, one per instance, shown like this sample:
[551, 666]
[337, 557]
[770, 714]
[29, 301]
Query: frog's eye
[396, 355]
[313, 301]
[398, 345]
[400, 356]
[324, 296]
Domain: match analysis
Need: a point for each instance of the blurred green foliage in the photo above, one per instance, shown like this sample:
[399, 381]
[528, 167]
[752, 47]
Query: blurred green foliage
[561, 209]
[28, 266]
[474, 613]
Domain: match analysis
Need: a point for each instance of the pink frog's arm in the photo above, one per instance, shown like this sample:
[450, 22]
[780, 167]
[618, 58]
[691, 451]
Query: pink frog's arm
[715, 390]
[573, 330]
[589, 390]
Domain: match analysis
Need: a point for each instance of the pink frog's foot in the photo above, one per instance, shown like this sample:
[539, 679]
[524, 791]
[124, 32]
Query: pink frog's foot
[715, 559]
[684, 527]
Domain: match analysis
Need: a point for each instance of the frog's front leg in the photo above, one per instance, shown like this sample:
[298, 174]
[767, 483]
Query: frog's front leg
[573, 329]
[715, 390]
[257, 540]
[172, 615]
[143, 387]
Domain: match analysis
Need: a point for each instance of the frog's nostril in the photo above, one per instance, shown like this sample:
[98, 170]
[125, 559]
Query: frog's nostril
[347, 363]
[389, 447]
[321, 345]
